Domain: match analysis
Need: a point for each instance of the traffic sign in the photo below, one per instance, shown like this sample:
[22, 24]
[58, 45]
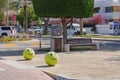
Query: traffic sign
[116, 24]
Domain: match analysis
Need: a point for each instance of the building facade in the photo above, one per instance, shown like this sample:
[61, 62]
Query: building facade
[108, 9]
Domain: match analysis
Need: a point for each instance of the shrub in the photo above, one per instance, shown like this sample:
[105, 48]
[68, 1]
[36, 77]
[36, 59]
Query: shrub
[7, 39]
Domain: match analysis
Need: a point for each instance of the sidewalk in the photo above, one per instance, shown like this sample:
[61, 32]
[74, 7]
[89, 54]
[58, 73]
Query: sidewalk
[80, 65]
[8, 72]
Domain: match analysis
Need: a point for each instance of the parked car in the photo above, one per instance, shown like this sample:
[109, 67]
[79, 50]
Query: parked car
[75, 28]
[36, 30]
[7, 31]
[19, 28]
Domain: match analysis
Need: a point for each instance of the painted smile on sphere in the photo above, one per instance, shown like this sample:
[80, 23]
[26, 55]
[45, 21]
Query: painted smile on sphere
[29, 52]
[53, 58]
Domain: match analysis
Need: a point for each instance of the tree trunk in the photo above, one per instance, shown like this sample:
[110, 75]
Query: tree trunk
[25, 14]
[46, 20]
[71, 21]
[64, 31]
[81, 26]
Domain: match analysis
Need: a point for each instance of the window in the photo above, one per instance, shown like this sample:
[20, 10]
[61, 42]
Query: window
[119, 26]
[111, 26]
[109, 9]
[96, 10]
[68, 27]
[5, 28]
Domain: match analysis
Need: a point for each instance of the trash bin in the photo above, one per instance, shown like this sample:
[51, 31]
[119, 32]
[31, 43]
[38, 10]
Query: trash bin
[57, 43]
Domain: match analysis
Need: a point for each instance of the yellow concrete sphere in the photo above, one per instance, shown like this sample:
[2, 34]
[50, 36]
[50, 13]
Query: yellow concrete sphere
[51, 58]
[28, 53]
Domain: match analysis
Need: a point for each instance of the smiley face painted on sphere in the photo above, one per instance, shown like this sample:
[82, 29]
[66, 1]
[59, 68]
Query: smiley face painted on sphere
[28, 53]
[51, 58]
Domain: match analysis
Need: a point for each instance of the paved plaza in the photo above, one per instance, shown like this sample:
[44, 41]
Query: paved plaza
[8, 72]
[103, 64]
[80, 65]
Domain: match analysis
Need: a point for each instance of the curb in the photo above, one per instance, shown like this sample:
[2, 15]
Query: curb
[56, 77]
[11, 45]
[103, 39]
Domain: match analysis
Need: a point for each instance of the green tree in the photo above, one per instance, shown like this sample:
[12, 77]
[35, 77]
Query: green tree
[20, 16]
[63, 9]
[31, 16]
[1, 17]
[3, 4]
[14, 5]
[94, 29]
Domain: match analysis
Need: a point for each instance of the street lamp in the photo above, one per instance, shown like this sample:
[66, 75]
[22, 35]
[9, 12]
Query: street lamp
[7, 15]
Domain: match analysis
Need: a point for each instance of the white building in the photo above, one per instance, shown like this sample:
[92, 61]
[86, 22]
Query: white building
[109, 9]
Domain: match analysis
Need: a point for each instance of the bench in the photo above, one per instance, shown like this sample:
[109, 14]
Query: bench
[73, 42]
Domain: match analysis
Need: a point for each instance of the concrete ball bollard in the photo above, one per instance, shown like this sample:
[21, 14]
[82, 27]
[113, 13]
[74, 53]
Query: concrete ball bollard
[28, 53]
[51, 58]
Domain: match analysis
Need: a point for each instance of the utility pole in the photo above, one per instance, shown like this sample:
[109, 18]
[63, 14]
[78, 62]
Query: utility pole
[7, 15]
[25, 15]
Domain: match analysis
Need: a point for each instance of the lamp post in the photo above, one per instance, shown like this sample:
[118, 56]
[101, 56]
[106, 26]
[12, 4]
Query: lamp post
[40, 23]
[7, 15]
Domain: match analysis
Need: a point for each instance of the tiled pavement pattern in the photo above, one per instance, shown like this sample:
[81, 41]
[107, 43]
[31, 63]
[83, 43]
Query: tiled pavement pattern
[8, 72]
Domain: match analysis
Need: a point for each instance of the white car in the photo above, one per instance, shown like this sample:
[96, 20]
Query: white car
[35, 30]
[74, 28]
[7, 31]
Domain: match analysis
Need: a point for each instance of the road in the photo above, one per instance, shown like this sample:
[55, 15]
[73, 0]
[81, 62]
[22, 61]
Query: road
[109, 45]
[20, 45]
[45, 43]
